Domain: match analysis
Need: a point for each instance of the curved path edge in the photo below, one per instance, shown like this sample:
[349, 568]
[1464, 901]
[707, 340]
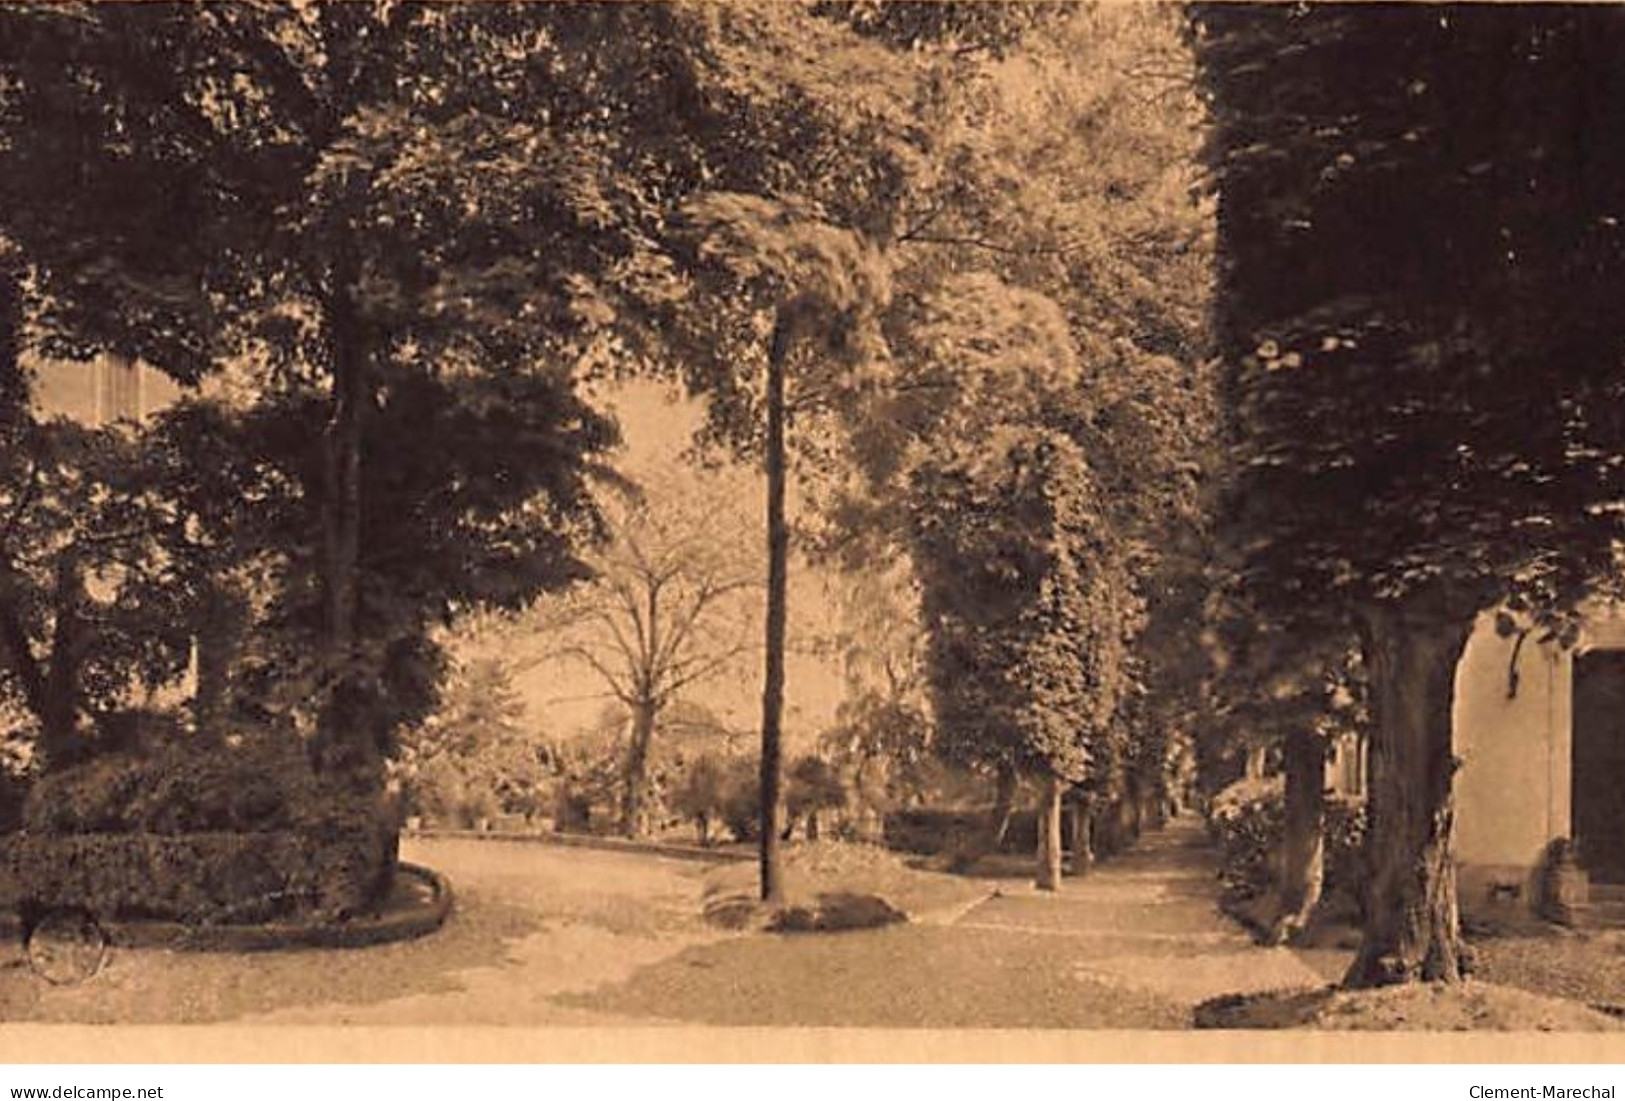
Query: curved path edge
[359, 932]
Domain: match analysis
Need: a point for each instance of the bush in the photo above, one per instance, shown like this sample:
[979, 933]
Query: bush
[928, 831]
[260, 782]
[210, 878]
[199, 832]
[1348, 873]
[741, 801]
[1248, 820]
[701, 793]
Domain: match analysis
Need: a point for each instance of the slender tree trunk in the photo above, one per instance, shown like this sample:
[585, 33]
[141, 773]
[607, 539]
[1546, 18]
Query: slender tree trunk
[635, 772]
[1135, 806]
[1049, 833]
[1303, 845]
[14, 388]
[1411, 929]
[1083, 836]
[1004, 805]
[1153, 803]
[778, 548]
[220, 627]
[17, 647]
[60, 740]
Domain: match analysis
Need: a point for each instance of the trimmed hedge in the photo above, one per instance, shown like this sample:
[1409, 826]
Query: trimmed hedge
[259, 783]
[197, 879]
[928, 831]
[236, 831]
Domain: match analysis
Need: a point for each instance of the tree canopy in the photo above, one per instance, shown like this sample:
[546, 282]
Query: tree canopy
[1421, 363]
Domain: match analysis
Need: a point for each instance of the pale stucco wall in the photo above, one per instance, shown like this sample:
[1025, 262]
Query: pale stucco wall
[1513, 788]
[99, 390]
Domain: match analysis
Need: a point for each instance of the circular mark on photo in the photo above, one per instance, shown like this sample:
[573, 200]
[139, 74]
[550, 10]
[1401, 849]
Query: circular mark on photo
[66, 947]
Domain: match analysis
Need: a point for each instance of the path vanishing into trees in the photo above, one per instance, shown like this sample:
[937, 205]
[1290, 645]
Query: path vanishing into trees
[546, 935]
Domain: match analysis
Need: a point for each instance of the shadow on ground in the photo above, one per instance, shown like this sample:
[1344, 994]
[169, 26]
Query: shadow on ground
[907, 976]
[152, 985]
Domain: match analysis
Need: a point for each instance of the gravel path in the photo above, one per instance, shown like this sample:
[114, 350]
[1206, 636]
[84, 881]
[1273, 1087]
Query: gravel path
[1147, 924]
[531, 921]
[544, 935]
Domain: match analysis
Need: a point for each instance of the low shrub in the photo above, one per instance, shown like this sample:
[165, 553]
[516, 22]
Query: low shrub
[197, 879]
[1247, 819]
[256, 783]
[1348, 873]
[927, 831]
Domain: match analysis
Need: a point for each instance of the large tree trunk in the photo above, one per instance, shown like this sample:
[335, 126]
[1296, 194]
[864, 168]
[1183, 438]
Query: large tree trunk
[635, 772]
[778, 548]
[1411, 926]
[1049, 833]
[1004, 805]
[1304, 842]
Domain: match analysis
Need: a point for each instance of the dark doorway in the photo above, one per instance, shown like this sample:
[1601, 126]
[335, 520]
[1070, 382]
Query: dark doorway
[1598, 783]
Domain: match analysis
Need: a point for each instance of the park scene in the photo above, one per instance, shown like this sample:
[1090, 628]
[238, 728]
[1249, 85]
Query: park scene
[839, 513]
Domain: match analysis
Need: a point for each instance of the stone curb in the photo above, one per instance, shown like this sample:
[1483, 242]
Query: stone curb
[358, 932]
[590, 841]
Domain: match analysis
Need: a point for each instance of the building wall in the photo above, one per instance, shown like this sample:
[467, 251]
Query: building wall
[1512, 792]
[101, 390]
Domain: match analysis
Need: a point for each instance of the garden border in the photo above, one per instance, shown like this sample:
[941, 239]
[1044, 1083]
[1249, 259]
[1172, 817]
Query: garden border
[360, 932]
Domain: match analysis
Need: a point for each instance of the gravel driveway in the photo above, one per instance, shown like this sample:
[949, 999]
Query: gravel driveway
[546, 935]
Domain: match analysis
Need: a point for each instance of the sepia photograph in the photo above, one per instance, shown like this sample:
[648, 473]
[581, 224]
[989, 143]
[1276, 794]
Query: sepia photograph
[837, 517]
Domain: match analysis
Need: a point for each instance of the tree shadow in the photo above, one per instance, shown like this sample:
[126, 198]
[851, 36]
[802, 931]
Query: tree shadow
[156, 985]
[901, 976]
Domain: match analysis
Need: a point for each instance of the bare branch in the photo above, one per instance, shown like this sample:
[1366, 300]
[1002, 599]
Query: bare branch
[676, 679]
[617, 686]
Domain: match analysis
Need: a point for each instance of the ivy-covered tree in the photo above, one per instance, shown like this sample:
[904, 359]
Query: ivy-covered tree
[1421, 245]
[1025, 613]
[1049, 284]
